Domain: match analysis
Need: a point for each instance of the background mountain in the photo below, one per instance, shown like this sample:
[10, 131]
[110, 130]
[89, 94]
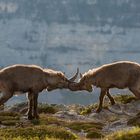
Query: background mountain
[66, 34]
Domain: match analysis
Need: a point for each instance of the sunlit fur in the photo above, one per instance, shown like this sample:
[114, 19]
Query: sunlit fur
[123, 74]
[31, 79]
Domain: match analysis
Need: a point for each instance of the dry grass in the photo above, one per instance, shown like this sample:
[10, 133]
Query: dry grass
[132, 134]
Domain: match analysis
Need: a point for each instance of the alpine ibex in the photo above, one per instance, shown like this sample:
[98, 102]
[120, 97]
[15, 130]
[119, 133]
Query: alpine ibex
[123, 74]
[31, 79]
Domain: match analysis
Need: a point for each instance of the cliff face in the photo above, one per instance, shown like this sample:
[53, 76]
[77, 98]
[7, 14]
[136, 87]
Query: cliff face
[81, 32]
[67, 34]
[92, 12]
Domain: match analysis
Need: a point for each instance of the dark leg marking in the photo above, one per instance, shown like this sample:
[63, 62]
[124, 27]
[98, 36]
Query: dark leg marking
[101, 98]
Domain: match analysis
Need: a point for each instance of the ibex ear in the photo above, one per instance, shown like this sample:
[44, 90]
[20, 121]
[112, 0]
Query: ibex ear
[81, 75]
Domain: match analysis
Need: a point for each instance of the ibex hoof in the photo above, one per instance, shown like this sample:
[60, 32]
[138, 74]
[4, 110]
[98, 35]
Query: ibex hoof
[30, 117]
[36, 117]
[98, 110]
[112, 103]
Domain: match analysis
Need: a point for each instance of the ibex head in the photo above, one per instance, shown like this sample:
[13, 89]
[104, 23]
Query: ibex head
[83, 84]
[58, 80]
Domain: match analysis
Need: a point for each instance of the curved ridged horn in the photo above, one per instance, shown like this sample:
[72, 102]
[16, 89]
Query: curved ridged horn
[81, 75]
[75, 76]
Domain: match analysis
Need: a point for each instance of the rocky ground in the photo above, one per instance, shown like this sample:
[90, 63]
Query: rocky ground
[82, 121]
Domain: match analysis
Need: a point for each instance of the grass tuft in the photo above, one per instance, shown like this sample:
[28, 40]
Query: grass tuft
[94, 134]
[118, 98]
[9, 118]
[40, 132]
[135, 121]
[125, 98]
[45, 108]
[132, 134]
[91, 128]
[7, 113]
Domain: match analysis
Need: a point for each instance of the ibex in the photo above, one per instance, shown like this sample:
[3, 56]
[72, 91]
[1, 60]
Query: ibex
[123, 74]
[31, 79]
